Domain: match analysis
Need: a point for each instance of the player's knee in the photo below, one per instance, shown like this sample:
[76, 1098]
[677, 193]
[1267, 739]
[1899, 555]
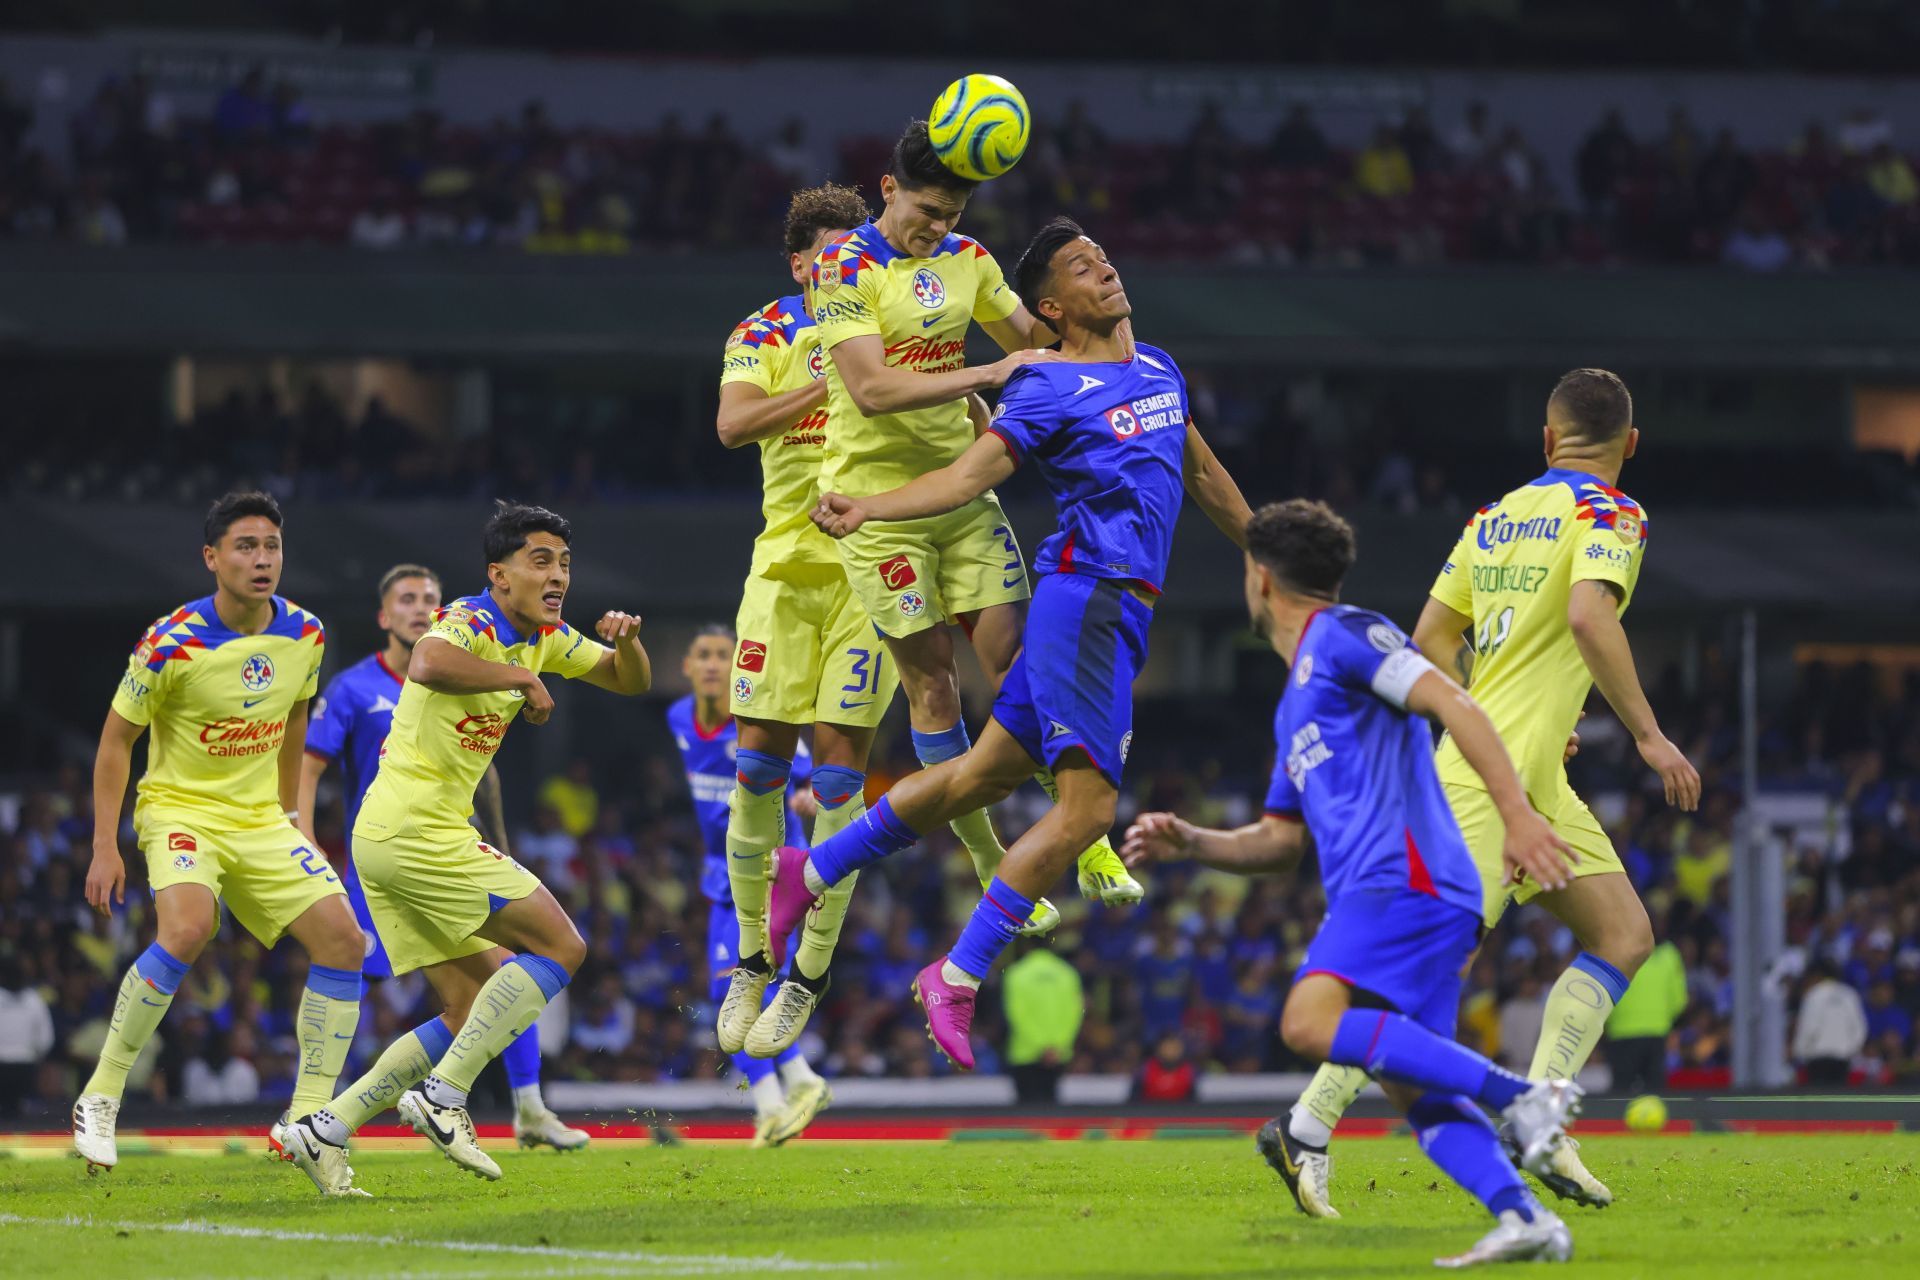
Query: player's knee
[185, 934]
[1307, 1033]
[1633, 943]
[1091, 816]
[568, 950]
[344, 947]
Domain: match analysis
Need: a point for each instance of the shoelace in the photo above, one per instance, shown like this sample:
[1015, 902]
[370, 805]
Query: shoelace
[786, 1014]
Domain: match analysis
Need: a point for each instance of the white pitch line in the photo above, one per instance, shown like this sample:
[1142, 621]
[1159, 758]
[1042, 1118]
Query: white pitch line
[660, 1263]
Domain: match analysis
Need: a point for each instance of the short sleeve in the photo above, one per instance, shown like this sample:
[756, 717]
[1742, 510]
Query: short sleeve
[1454, 587]
[1610, 546]
[1365, 651]
[144, 686]
[569, 653]
[312, 683]
[744, 359]
[846, 297]
[331, 723]
[993, 298]
[458, 624]
[1028, 412]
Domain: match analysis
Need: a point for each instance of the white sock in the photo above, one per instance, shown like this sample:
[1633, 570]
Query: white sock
[796, 1071]
[815, 885]
[442, 1094]
[330, 1127]
[527, 1100]
[1308, 1128]
[767, 1097]
[957, 976]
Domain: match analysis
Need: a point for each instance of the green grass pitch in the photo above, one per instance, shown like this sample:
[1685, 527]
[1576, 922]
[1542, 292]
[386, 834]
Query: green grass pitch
[1704, 1205]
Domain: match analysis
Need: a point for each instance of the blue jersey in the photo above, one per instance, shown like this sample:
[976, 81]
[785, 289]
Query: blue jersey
[1358, 767]
[1110, 441]
[708, 756]
[350, 722]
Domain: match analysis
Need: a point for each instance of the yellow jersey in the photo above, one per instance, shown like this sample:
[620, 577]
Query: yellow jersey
[441, 743]
[777, 349]
[1513, 572]
[217, 703]
[920, 308]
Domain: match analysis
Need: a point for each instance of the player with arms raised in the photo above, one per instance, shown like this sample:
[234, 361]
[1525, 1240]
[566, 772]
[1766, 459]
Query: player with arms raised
[440, 896]
[224, 683]
[351, 720]
[1379, 990]
[1109, 429]
[1540, 579]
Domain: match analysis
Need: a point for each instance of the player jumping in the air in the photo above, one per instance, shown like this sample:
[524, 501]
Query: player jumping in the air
[224, 682]
[807, 654]
[894, 299]
[350, 723]
[1379, 989]
[787, 1093]
[440, 896]
[1109, 428]
[1539, 581]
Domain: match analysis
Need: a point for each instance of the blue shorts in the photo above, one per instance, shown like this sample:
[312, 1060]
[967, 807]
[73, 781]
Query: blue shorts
[376, 965]
[1071, 687]
[1406, 948]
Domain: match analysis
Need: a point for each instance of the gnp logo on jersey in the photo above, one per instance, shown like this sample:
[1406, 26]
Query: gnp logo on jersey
[898, 573]
[816, 363]
[912, 603]
[1305, 673]
[752, 656]
[256, 673]
[1125, 425]
[743, 690]
[932, 294]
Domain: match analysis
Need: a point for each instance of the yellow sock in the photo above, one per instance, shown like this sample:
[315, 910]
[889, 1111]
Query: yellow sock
[821, 932]
[1327, 1097]
[329, 1013]
[975, 831]
[1576, 1014]
[755, 827]
[137, 1011]
[404, 1064]
[509, 1004]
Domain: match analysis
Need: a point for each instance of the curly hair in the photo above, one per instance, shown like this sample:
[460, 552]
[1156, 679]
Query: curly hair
[828, 207]
[1303, 544]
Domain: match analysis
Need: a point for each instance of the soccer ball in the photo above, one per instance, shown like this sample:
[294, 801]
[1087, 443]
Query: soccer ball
[1646, 1114]
[979, 126]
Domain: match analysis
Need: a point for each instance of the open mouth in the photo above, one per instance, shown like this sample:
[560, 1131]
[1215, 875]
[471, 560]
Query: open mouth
[261, 582]
[552, 599]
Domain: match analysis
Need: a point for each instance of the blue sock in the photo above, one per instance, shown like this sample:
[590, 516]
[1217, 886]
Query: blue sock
[872, 836]
[550, 977]
[754, 1069]
[1396, 1047]
[435, 1037]
[759, 772]
[834, 785]
[1611, 979]
[160, 969]
[994, 922]
[522, 1058]
[936, 748]
[1457, 1136]
[336, 984]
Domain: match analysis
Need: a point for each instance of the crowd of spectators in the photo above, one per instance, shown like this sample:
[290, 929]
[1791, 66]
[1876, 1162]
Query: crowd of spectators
[1190, 982]
[262, 169]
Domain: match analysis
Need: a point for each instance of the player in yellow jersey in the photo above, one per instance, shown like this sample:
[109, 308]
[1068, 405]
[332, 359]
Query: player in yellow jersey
[806, 653]
[1528, 608]
[441, 897]
[894, 299]
[224, 683]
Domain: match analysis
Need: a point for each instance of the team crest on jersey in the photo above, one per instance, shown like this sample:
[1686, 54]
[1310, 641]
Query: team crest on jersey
[898, 573]
[743, 690]
[1626, 527]
[1125, 425]
[932, 294]
[739, 336]
[816, 363]
[1305, 673]
[179, 841]
[1385, 638]
[752, 656]
[827, 279]
[912, 603]
[257, 672]
[184, 862]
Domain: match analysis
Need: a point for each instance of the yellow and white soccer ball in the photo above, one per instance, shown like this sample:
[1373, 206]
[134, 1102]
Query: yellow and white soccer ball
[1646, 1114]
[979, 126]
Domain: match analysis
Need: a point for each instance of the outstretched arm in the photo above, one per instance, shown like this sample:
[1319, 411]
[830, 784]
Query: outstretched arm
[985, 464]
[1593, 611]
[877, 387]
[1215, 490]
[1267, 847]
[624, 668]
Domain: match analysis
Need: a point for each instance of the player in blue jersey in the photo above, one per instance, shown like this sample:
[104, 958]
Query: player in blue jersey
[1354, 770]
[350, 724]
[787, 1093]
[1107, 426]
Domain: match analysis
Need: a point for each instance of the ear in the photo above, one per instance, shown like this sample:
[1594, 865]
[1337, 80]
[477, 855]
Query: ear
[380, 619]
[207, 555]
[1633, 442]
[888, 187]
[1547, 439]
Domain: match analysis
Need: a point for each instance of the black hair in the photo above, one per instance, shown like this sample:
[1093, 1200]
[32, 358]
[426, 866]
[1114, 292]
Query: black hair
[1595, 402]
[915, 165]
[1034, 271]
[1303, 544]
[238, 506]
[400, 572]
[714, 629]
[827, 207]
[512, 522]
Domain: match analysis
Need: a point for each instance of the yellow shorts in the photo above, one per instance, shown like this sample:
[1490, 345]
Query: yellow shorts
[808, 653]
[1571, 820]
[430, 889]
[912, 574]
[268, 877]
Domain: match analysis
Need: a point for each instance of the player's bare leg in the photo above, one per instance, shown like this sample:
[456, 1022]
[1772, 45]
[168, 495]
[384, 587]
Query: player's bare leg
[931, 682]
[997, 633]
[947, 988]
[188, 916]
